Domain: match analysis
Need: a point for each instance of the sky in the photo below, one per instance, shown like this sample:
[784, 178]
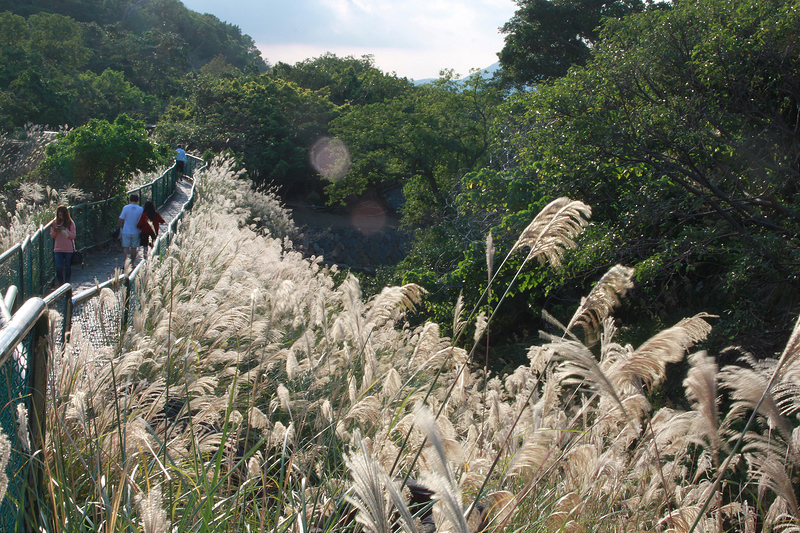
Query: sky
[411, 38]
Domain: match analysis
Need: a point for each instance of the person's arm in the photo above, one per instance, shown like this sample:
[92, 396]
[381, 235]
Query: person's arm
[53, 230]
[71, 232]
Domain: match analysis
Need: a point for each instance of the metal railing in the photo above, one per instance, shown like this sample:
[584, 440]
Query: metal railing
[30, 265]
[39, 329]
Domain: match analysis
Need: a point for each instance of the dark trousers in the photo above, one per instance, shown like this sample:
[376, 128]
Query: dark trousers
[63, 267]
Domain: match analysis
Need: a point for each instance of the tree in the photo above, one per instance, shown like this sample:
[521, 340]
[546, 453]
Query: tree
[39, 58]
[269, 124]
[546, 37]
[344, 80]
[422, 141]
[682, 133]
[107, 96]
[57, 42]
[99, 157]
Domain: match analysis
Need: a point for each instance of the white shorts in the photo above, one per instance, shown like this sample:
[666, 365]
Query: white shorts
[130, 240]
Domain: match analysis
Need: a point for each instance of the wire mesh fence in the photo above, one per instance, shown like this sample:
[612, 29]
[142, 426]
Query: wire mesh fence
[33, 339]
[30, 266]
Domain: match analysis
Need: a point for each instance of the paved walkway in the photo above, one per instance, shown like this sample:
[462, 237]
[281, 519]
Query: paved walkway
[100, 263]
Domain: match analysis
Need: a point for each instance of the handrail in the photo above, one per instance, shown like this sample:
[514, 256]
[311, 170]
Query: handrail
[23, 341]
[29, 265]
[19, 326]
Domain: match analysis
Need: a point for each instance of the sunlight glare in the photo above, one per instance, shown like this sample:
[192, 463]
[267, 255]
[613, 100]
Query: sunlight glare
[330, 157]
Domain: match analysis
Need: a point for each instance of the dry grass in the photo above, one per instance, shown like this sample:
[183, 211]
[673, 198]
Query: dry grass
[254, 393]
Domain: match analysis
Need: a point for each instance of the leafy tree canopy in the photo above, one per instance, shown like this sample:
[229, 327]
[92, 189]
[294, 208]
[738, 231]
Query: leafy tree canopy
[99, 157]
[344, 80]
[269, 124]
[49, 52]
[682, 133]
[546, 37]
[203, 35]
[422, 140]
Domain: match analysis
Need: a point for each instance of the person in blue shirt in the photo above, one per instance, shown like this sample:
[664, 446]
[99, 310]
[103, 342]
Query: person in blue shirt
[180, 160]
[129, 234]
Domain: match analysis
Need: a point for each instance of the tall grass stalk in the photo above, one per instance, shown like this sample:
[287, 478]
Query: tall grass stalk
[252, 392]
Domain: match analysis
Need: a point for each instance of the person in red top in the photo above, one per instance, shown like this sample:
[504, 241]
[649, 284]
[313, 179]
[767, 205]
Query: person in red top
[148, 226]
[62, 230]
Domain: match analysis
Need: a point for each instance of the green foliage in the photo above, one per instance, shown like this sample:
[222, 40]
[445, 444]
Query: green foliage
[107, 96]
[344, 80]
[545, 38]
[423, 140]
[66, 62]
[38, 58]
[99, 157]
[201, 37]
[269, 124]
[658, 133]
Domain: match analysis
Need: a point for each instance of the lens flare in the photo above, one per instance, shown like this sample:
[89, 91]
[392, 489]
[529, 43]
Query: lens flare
[368, 217]
[329, 157]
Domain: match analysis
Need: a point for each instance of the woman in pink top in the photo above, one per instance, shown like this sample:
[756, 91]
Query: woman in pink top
[62, 230]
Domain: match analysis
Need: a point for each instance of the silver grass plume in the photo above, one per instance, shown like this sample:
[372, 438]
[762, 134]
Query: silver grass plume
[791, 352]
[553, 230]
[458, 320]
[648, 362]
[151, 510]
[770, 471]
[23, 434]
[490, 255]
[392, 383]
[442, 481]
[393, 300]
[366, 411]
[750, 390]
[5, 456]
[369, 482]
[602, 299]
[481, 322]
[701, 390]
[578, 361]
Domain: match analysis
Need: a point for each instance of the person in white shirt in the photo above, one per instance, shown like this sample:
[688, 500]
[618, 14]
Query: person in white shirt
[129, 234]
[180, 160]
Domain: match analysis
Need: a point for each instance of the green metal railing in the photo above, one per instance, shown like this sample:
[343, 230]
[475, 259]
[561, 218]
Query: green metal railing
[30, 265]
[40, 326]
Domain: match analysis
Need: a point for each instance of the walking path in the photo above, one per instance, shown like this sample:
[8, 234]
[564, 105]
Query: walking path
[102, 262]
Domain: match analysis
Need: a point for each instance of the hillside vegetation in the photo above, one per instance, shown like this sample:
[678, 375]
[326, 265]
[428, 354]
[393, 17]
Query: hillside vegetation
[593, 329]
[678, 123]
[256, 386]
[257, 391]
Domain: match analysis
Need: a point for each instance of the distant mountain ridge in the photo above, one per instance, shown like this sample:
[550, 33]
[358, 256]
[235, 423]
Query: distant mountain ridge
[486, 73]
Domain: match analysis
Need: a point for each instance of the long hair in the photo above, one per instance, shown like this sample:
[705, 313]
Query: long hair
[150, 209]
[64, 212]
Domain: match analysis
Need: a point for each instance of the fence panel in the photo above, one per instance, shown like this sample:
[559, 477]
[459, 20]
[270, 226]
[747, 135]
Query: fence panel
[30, 266]
[11, 263]
[98, 315]
[19, 409]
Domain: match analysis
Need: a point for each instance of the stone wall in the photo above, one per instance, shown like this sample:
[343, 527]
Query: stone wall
[350, 248]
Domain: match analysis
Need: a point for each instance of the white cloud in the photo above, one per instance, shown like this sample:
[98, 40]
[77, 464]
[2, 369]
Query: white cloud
[414, 38]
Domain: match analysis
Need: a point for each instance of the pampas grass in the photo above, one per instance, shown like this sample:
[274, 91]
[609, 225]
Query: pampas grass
[252, 392]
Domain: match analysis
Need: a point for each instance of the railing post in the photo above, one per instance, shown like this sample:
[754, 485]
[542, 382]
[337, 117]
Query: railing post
[37, 416]
[126, 301]
[41, 284]
[20, 278]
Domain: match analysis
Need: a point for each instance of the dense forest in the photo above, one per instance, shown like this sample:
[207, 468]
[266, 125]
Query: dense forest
[676, 122]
